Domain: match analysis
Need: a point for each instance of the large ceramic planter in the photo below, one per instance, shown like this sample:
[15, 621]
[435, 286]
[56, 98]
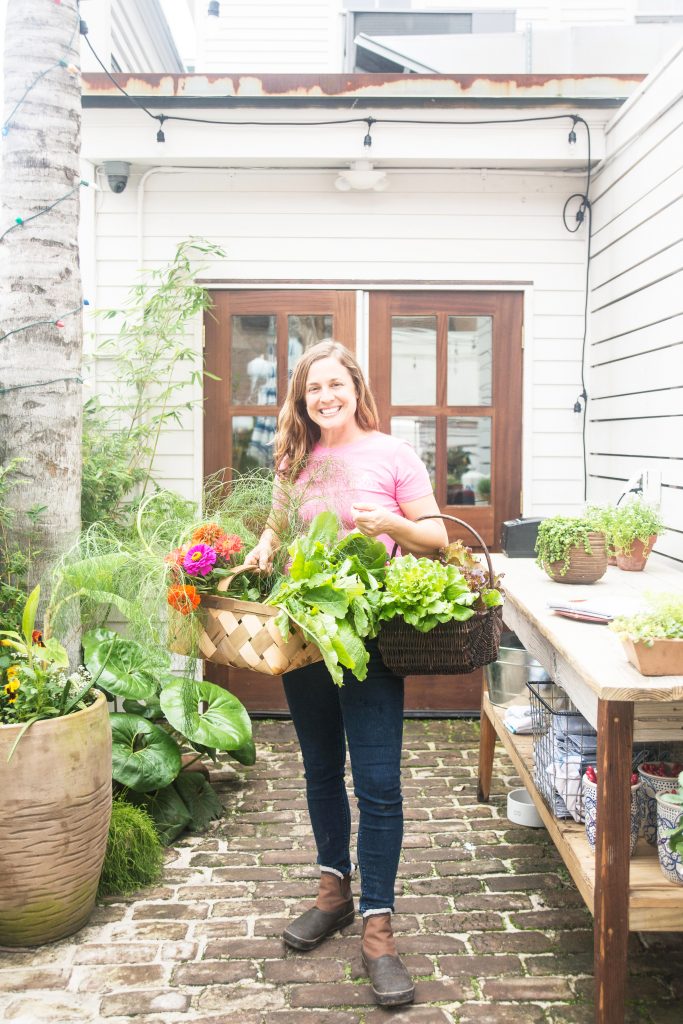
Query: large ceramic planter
[652, 786]
[636, 558]
[664, 658]
[590, 808]
[668, 817]
[583, 568]
[55, 805]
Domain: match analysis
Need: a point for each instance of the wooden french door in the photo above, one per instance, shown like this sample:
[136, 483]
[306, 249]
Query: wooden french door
[446, 370]
[253, 340]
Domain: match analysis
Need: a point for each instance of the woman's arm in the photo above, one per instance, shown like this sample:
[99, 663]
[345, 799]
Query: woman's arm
[423, 538]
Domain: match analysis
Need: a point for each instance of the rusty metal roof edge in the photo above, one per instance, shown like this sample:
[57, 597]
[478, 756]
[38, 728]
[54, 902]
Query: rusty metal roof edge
[341, 90]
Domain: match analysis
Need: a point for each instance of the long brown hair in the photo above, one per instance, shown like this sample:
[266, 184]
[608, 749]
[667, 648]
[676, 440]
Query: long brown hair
[296, 433]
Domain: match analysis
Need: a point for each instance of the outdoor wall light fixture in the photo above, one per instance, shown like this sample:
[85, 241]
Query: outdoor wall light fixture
[214, 9]
[361, 177]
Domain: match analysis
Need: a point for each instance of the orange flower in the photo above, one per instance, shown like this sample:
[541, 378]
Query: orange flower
[210, 533]
[228, 546]
[176, 556]
[37, 637]
[183, 598]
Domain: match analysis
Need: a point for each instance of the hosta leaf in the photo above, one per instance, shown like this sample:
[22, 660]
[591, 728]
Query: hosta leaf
[144, 756]
[121, 666]
[245, 754]
[219, 720]
[199, 798]
[168, 811]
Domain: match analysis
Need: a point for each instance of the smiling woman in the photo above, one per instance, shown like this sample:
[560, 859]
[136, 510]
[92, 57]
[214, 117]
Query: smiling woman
[379, 486]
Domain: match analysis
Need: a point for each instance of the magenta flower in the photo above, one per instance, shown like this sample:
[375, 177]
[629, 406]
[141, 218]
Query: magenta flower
[199, 560]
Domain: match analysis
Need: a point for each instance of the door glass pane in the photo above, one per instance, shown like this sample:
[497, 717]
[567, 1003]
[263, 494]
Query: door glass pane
[468, 460]
[413, 360]
[254, 361]
[303, 332]
[420, 431]
[252, 442]
[469, 360]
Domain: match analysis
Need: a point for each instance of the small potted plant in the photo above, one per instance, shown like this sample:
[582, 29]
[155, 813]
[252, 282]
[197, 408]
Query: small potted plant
[653, 638]
[590, 804]
[571, 550]
[670, 833]
[634, 530]
[602, 519]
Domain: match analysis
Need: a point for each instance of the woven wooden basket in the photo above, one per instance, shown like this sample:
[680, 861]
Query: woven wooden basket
[243, 634]
[451, 648]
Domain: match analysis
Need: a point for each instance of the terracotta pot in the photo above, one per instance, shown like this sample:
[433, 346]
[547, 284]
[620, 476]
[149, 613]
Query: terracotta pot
[664, 658]
[638, 556]
[583, 568]
[55, 805]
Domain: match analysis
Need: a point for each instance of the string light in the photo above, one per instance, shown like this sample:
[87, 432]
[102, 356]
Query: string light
[59, 322]
[367, 141]
[160, 134]
[572, 133]
[40, 384]
[58, 64]
[19, 221]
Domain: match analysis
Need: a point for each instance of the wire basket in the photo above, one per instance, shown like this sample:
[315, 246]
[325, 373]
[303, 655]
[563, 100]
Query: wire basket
[565, 743]
[243, 634]
[451, 648]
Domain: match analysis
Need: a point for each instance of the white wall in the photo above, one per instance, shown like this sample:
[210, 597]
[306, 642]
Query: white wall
[467, 229]
[636, 328]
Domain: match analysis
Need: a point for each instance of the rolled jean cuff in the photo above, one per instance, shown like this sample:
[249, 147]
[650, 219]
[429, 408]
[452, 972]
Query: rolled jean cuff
[339, 874]
[382, 910]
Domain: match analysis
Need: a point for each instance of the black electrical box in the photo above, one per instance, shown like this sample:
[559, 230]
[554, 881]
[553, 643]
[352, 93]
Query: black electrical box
[518, 537]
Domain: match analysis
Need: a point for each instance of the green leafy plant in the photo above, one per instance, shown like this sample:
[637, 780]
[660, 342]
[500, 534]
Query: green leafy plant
[558, 535]
[636, 520]
[134, 856]
[153, 364]
[602, 519]
[163, 715]
[332, 593]
[661, 620]
[15, 559]
[36, 682]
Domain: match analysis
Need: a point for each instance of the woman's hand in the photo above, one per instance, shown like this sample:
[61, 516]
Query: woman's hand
[261, 557]
[372, 520]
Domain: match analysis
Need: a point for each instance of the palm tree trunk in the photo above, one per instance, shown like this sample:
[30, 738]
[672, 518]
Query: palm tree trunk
[40, 367]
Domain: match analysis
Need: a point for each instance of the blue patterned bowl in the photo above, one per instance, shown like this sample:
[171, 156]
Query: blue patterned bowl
[668, 816]
[590, 807]
[652, 786]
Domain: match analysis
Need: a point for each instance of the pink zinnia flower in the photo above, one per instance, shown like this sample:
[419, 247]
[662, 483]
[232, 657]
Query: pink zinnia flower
[199, 560]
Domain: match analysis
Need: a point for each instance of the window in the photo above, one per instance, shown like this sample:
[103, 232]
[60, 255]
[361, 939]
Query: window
[374, 25]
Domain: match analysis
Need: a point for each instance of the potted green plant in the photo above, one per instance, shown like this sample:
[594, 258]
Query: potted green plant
[653, 638]
[602, 519]
[634, 530]
[670, 833]
[56, 802]
[571, 549]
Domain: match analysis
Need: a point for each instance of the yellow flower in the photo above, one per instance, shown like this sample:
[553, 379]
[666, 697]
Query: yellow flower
[11, 690]
[13, 672]
[5, 642]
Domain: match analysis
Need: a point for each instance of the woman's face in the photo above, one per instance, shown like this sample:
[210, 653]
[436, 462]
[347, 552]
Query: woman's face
[330, 395]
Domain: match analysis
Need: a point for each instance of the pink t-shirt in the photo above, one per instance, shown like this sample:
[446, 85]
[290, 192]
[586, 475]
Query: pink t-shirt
[376, 470]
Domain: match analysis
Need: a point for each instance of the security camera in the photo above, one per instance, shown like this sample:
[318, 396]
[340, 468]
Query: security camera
[118, 172]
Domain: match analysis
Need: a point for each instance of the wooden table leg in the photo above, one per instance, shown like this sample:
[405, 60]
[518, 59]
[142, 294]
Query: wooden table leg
[487, 744]
[612, 858]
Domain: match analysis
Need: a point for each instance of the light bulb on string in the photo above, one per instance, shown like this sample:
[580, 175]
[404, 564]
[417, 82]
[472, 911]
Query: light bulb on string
[161, 137]
[367, 141]
[572, 133]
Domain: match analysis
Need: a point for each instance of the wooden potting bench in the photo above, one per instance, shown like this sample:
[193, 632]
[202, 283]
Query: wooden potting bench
[587, 660]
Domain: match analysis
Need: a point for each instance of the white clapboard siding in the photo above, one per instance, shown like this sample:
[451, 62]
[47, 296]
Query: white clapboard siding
[463, 229]
[635, 375]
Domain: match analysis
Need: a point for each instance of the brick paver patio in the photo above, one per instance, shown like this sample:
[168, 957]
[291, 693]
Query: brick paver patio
[489, 922]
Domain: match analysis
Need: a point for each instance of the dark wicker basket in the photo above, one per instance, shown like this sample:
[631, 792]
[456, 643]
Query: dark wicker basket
[451, 648]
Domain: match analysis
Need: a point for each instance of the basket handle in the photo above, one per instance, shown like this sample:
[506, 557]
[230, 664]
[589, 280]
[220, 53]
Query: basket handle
[460, 522]
[225, 582]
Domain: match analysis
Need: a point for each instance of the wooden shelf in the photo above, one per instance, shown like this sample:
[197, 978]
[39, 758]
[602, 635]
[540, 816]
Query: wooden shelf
[655, 904]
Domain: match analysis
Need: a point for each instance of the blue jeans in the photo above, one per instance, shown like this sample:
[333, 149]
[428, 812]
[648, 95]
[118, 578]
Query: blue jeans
[369, 715]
